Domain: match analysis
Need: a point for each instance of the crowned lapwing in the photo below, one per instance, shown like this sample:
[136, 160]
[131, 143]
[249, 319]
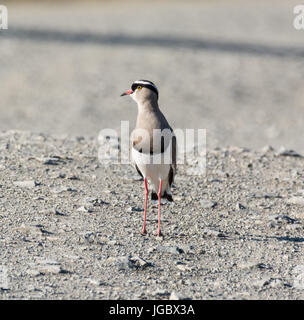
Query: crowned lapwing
[153, 145]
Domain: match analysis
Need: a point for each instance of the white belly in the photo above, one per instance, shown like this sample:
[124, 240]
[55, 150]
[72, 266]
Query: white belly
[152, 168]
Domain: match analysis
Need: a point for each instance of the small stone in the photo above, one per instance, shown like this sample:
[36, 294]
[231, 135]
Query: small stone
[267, 149]
[73, 177]
[94, 237]
[139, 263]
[298, 276]
[57, 213]
[288, 153]
[43, 261]
[296, 201]
[33, 272]
[239, 206]
[135, 262]
[134, 209]
[61, 189]
[259, 283]
[183, 267]
[248, 264]
[50, 269]
[272, 196]
[95, 282]
[176, 296]
[170, 249]
[209, 233]
[49, 266]
[111, 259]
[131, 178]
[276, 283]
[54, 161]
[285, 219]
[123, 263]
[207, 204]
[3, 278]
[262, 266]
[272, 224]
[150, 250]
[84, 209]
[95, 202]
[26, 184]
[161, 292]
[177, 198]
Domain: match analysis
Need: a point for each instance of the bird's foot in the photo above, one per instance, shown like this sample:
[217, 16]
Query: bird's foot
[159, 234]
[143, 232]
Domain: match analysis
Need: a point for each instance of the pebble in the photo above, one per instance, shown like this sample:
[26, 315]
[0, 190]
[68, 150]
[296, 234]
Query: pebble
[285, 219]
[150, 250]
[207, 204]
[94, 237]
[248, 264]
[26, 184]
[139, 263]
[56, 212]
[50, 269]
[298, 276]
[161, 292]
[54, 161]
[4, 280]
[33, 272]
[176, 296]
[276, 283]
[212, 233]
[84, 209]
[49, 266]
[134, 209]
[183, 267]
[296, 200]
[239, 206]
[129, 262]
[73, 177]
[288, 153]
[94, 282]
[267, 149]
[170, 249]
[94, 201]
[61, 189]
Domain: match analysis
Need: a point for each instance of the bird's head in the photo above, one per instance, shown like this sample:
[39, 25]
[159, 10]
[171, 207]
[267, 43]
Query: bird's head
[142, 90]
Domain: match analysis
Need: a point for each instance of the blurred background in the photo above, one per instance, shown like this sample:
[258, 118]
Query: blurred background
[233, 67]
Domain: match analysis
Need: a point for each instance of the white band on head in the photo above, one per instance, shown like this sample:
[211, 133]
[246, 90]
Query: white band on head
[145, 82]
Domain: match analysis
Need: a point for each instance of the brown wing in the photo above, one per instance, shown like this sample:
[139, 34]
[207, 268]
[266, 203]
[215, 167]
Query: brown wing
[173, 168]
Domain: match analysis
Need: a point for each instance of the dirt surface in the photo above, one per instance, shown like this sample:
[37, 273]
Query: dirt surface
[70, 226]
[232, 67]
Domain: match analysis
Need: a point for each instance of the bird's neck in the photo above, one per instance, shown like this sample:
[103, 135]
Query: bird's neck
[147, 107]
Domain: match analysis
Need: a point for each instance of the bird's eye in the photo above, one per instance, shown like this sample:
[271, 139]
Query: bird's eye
[139, 87]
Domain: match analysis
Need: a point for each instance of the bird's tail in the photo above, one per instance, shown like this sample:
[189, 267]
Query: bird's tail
[166, 195]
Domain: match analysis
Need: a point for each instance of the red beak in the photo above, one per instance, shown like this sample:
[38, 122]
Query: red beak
[128, 92]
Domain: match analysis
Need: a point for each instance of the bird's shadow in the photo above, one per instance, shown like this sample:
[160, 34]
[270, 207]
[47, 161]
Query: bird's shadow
[289, 239]
[252, 237]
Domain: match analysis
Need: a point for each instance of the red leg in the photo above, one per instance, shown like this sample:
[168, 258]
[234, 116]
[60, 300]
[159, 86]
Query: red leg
[159, 201]
[146, 200]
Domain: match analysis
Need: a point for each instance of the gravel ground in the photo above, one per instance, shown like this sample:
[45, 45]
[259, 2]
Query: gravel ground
[70, 225]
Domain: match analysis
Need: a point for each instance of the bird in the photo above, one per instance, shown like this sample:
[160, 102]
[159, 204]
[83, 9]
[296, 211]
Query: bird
[153, 146]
